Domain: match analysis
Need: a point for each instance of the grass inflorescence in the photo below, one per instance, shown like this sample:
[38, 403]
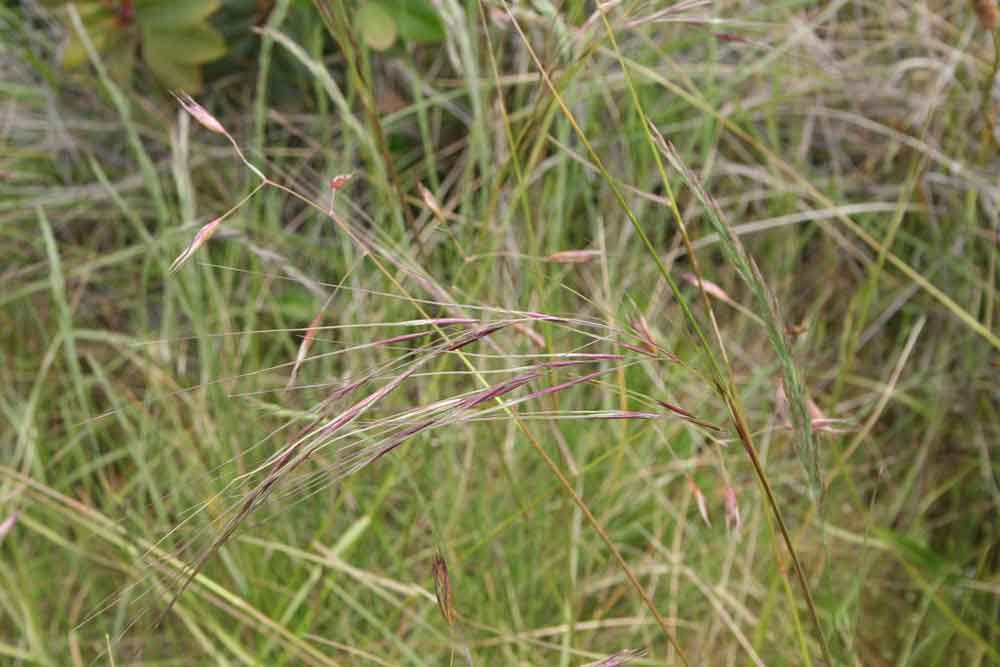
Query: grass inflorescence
[600, 333]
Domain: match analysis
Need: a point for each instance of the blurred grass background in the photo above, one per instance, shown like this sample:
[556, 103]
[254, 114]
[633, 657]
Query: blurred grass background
[845, 144]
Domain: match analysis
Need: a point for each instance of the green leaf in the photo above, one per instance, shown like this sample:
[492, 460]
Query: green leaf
[416, 20]
[100, 25]
[192, 45]
[119, 56]
[173, 13]
[377, 27]
[172, 74]
[73, 53]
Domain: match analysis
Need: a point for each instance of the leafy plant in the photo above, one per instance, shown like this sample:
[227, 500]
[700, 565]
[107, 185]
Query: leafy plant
[415, 21]
[174, 38]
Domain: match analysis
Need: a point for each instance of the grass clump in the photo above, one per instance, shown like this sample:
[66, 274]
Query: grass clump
[612, 334]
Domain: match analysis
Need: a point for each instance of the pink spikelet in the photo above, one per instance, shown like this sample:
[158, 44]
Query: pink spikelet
[733, 519]
[304, 349]
[530, 334]
[340, 181]
[699, 499]
[573, 256]
[820, 422]
[781, 407]
[709, 287]
[430, 201]
[200, 114]
[645, 334]
[8, 523]
[618, 659]
[198, 241]
[731, 37]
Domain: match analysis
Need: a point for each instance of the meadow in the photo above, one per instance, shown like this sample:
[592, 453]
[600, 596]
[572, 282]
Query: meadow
[587, 334]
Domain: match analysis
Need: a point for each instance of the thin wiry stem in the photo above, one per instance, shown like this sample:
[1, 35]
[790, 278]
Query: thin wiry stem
[988, 92]
[292, 458]
[635, 223]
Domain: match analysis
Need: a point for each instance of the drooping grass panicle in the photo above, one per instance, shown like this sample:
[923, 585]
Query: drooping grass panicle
[746, 268]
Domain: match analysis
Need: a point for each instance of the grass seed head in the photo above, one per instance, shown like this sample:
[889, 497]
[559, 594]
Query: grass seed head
[8, 523]
[573, 256]
[442, 589]
[618, 659]
[200, 114]
[203, 235]
[340, 181]
[699, 499]
[988, 13]
[733, 519]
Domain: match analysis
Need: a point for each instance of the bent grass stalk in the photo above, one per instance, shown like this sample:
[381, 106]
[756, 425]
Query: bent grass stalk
[751, 277]
[292, 459]
[263, 489]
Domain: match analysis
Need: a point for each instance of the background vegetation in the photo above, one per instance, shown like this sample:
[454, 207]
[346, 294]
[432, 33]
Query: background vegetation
[545, 170]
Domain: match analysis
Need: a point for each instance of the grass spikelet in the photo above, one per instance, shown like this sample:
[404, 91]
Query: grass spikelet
[536, 338]
[746, 268]
[709, 287]
[430, 201]
[640, 324]
[573, 256]
[624, 414]
[212, 124]
[987, 13]
[201, 114]
[340, 181]
[699, 499]
[304, 348]
[673, 14]
[734, 521]
[687, 416]
[337, 183]
[7, 524]
[499, 390]
[618, 659]
[442, 589]
[203, 235]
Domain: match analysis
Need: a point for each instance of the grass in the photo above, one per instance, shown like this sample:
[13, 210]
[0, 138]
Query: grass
[550, 183]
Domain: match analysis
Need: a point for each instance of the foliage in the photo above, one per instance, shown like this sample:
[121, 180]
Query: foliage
[415, 21]
[174, 37]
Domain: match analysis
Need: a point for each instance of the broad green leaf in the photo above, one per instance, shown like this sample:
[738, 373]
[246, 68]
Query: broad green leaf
[100, 24]
[174, 75]
[377, 26]
[173, 13]
[119, 55]
[416, 20]
[191, 45]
